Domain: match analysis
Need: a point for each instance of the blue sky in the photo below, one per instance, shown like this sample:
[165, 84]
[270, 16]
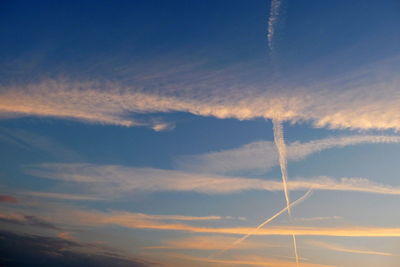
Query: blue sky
[143, 132]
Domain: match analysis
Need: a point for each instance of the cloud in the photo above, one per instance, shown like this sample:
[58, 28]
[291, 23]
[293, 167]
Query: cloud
[34, 250]
[138, 220]
[131, 221]
[66, 236]
[251, 261]
[313, 219]
[28, 220]
[114, 180]
[188, 224]
[27, 140]
[351, 101]
[262, 155]
[8, 199]
[209, 242]
[340, 248]
[62, 196]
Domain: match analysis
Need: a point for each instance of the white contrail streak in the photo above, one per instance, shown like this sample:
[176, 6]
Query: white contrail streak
[295, 250]
[281, 147]
[298, 201]
[272, 21]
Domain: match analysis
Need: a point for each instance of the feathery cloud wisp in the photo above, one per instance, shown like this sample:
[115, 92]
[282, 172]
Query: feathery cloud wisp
[251, 261]
[127, 179]
[209, 242]
[347, 103]
[261, 156]
[340, 248]
[157, 222]
[8, 199]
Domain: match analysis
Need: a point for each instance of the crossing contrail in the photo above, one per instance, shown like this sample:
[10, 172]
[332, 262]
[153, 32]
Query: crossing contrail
[237, 242]
[281, 148]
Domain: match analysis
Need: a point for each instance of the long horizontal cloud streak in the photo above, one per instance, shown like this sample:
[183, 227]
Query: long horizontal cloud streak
[261, 156]
[372, 105]
[254, 261]
[108, 179]
[138, 221]
[340, 248]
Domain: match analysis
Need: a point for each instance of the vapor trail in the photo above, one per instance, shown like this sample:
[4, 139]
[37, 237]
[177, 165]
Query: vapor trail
[281, 147]
[298, 201]
[272, 21]
[295, 250]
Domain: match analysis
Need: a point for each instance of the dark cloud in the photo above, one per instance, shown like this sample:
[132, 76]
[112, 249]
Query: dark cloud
[32, 250]
[8, 199]
[35, 221]
[29, 220]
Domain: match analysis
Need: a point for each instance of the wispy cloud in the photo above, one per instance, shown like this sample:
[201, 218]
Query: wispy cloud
[78, 218]
[209, 242]
[345, 102]
[8, 199]
[96, 179]
[27, 220]
[137, 221]
[62, 196]
[250, 261]
[129, 218]
[261, 156]
[340, 248]
[59, 252]
[27, 141]
[313, 219]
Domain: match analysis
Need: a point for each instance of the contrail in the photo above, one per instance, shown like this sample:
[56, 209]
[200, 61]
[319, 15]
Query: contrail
[272, 21]
[281, 147]
[298, 201]
[295, 250]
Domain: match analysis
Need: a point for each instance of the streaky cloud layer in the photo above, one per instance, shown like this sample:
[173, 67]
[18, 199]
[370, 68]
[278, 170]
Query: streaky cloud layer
[108, 180]
[157, 222]
[345, 102]
[340, 248]
[253, 261]
[262, 155]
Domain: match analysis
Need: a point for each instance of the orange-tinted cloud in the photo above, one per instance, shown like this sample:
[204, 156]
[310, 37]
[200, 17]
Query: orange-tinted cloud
[209, 242]
[8, 199]
[339, 103]
[251, 261]
[158, 222]
[340, 248]
[125, 179]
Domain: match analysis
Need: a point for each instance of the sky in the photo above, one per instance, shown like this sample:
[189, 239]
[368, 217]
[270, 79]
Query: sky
[200, 133]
